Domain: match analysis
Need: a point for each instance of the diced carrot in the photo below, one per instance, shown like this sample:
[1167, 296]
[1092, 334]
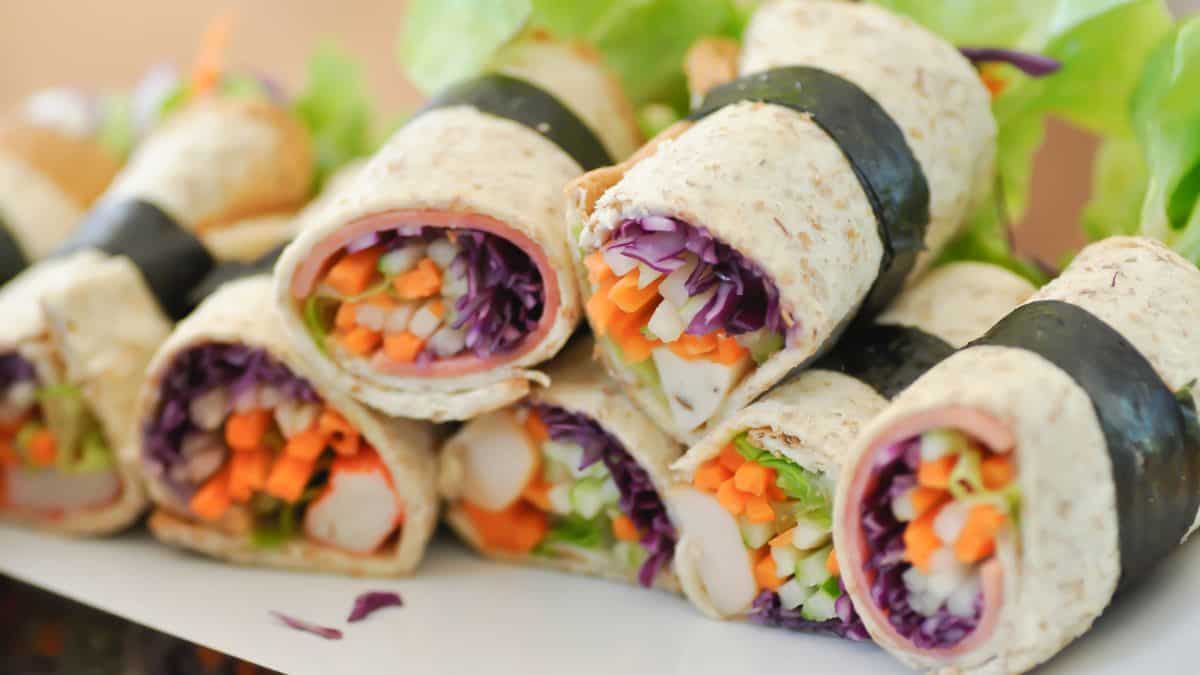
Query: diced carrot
[288, 477]
[936, 473]
[346, 317]
[248, 473]
[437, 308]
[600, 310]
[997, 471]
[831, 563]
[43, 448]
[730, 458]
[536, 428]
[694, 346]
[624, 324]
[764, 573]
[728, 351]
[421, 281]
[346, 445]
[382, 299]
[758, 509]
[624, 529]
[924, 498]
[339, 433]
[754, 478]
[537, 492]
[626, 295]
[711, 474]
[354, 272]
[776, 493]
[920, 541]
[360, 340]
[636, 347]
[402, 347]
[245, 430]
[977, 540]
[516, 529]
[598, 270]
[306, 445]
[211, 501]
[731, 498]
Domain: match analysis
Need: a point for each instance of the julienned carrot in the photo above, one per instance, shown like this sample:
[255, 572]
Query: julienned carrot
[346, 317]
[626, 295]
[43, 448]
[354, 272]
[764, 572]
[636, 347]
[758, 509]
[730, 458]
[754, 478]
[728, 351]
[710, 475]
[997, 471]
[516, 529]
[207, 69]
[977, 540]
[936, 473]
[248, 473]
[422, 281]
[402, 347]
[624, 529]
[831, 563]
[598, 270]
[600, 310]
[733, 499]
[306, 445]
[288, 477]
[211, 501]
[537, 492]
[245, 430]
[924, 498]
[694, 346]
[360, 340]
[920, 541]
[536, 428]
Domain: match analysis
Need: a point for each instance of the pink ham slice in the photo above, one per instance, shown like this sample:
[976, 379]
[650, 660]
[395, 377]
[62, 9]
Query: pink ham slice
[54, 493]
[983, 428]
[321, 256]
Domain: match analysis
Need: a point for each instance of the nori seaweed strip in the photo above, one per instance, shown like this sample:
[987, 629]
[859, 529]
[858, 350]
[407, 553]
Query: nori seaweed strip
[12, 257]
[874, 145]
[171, 259]
[524, 103]
[885, 358]
[1154, 449]
[232, 270]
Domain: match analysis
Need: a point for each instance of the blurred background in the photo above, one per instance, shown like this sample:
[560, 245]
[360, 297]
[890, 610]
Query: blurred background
[110, 44]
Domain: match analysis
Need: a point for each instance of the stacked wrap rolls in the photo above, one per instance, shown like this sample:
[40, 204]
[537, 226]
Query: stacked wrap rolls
[454, 229]
[249, 460]
[986, 517]
[765, 226]
[772, 561]
[569, 478]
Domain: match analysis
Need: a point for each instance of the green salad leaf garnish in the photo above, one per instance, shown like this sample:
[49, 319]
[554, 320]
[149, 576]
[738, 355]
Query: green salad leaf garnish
[578, 531]
[337, 110]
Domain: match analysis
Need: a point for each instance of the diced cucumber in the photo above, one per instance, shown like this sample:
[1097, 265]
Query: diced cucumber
[646, 275]
[559, 497]
[556, 472]
[587, 497]
[608, 490]
[665, 323]
[630, 554]
[810, 570]
[938, 443]
[674, 287]
[442, 252]
[755, 535]
[785, 558]
[569, 455]
[694, 304]
[902, 507]
[819, 606]
[400, 260]
[93, 454]
[962, 600]
[762, 343]
[809, 533]
[832, 587]
[618, 262]
[792, 594]
[966, 478]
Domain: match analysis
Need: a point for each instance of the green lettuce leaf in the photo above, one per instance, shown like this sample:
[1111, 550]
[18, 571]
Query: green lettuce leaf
[335, 107]
[445, 41]
[578, 531]
[1119, 177]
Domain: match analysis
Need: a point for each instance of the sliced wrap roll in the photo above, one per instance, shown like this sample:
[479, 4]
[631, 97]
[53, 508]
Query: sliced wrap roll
[569, 479]
[455, 229]
[987, 515]
[249, 460]
[776, 565]
[743, 242]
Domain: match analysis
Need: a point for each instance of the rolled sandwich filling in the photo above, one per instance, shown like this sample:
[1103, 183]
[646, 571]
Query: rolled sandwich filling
[54, 458]
[551, 482]
[251, 447]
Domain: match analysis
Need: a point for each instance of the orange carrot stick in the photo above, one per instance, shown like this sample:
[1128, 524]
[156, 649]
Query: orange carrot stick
[624, 529]
[354, 272]
[598, 270]
[997, 471]
[43, 448]
[730, 458]
[207, 69]
[306, 445]
[977, 540]
[764, 572]
[346, 317]
[711, 474]
[360, 340]
[731, 498]
[758, 509]
[421, 281]
[245, 431]
[728, 351]
[516, 529]
[211, 501]
[402, 347]
[288, 478]
[626, 295]
[920, 541]
[936, 473]
[754, 478]
[831, 563]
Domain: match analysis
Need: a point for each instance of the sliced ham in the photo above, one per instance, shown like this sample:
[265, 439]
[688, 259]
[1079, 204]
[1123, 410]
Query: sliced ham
[322, 254]
[56, 493]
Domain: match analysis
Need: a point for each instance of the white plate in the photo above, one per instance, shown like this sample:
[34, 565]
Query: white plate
[464, 615]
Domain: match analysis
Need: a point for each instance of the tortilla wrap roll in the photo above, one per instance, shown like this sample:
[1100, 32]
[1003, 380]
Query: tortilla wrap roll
[69, 376]
[455, 226]
[776, 565]
[986, 517]
[250, 461]
[568, 479]
[743, 241]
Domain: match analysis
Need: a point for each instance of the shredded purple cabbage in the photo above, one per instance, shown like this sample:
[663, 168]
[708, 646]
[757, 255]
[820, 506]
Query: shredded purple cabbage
[505, 297]
[768, 610]
[372, 601]
[745, 299]
[1033, 65]
[199, 370]
[639, 500]
[301, 625]
[895, 470]
[14, 368]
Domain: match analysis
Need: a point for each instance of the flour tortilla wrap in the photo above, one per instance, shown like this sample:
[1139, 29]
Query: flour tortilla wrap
[813, 420]
[493, 183]
[1075, 391]
[240, 314]
[85, 369]
[477, 463]
[782, 200]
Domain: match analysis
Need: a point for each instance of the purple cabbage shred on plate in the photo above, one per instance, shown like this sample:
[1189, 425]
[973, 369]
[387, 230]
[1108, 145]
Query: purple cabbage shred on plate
[372, 601]
[639, 500]
[304, 626]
